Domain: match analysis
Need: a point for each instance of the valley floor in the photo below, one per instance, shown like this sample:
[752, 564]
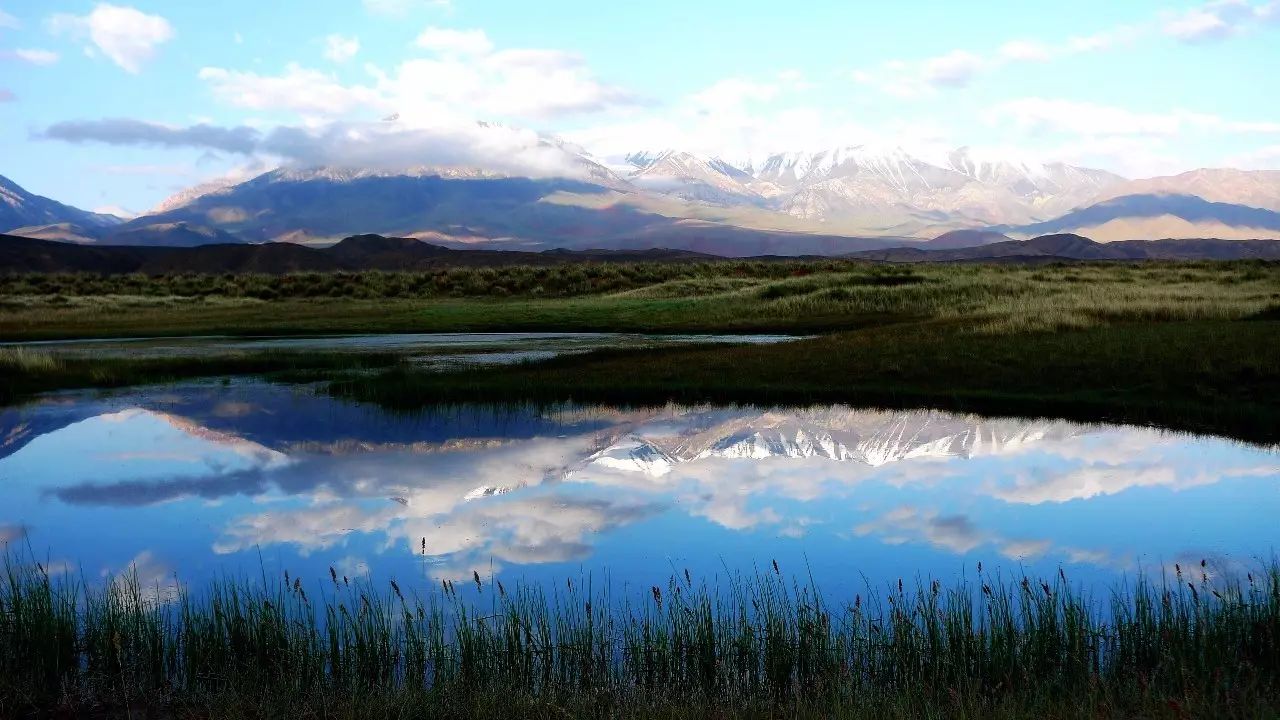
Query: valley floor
[1191, 346]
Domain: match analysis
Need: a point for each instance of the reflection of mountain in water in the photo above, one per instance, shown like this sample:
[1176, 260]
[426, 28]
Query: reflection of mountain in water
[488, 486]
[278, 426]
[873, 438]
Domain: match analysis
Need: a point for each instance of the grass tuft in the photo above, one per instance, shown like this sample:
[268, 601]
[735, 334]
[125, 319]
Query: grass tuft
[765, 645]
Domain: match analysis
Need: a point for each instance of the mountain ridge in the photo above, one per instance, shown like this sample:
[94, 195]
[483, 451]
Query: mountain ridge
[377, 252]
[21, 208]
[1072, 247]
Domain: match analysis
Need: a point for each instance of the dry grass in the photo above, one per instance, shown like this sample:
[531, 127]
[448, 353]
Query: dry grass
[21, 359]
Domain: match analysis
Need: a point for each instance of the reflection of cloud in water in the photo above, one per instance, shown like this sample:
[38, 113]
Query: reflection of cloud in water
[958, 534]
[151, 492]
[531, 497]
[11, 533]
[538, 529]
[156, 579]
[1096, 480]
[905, 524]
[1025, 549]
[435, 497]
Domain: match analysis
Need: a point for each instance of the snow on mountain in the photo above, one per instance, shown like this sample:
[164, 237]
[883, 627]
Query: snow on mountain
[1048, 188]
[692, 177]
[881, 187]
[20, 208]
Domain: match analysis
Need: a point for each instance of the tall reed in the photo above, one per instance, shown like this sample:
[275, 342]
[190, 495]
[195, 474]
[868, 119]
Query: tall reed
[765, 643]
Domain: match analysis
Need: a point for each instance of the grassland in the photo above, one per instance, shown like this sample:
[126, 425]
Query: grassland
[765, 645]
[1194, 346]
[678, 297]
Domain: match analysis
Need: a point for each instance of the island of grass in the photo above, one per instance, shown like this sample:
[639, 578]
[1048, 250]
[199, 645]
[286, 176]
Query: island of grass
[1185, 345]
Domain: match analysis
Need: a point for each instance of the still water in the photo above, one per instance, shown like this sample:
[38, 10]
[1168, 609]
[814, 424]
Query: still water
[439, 350]
[207, 479]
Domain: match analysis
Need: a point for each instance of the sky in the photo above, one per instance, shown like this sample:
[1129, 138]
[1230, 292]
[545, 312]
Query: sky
[115, 107]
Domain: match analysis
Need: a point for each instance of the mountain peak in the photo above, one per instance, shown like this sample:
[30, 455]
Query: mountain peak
[372, 243]
[20, 208]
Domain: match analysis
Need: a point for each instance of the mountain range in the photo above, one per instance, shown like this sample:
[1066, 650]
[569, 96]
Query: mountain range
[376, 252]
[830, 202]
[360, 252]
[19, 209]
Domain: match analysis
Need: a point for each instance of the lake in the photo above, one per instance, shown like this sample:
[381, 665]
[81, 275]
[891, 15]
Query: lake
[206, 479]
[431, 350]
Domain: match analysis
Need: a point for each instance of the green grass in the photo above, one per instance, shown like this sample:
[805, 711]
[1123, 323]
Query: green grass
[762, 645]
[714, 297]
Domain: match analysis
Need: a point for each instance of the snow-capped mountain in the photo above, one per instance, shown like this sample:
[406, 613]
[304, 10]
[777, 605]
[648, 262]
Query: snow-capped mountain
[1050, 189]
[693, 177]
[884, 188]
[20, 208]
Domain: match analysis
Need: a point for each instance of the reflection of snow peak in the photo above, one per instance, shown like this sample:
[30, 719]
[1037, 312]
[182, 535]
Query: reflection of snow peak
[871, 438]
[485, 491]
[634, 455]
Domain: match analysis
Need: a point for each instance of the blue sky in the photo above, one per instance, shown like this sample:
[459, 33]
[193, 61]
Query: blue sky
[108, 105]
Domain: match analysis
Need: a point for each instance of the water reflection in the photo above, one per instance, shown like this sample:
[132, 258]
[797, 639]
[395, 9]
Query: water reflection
[431, 349]
[204, 479]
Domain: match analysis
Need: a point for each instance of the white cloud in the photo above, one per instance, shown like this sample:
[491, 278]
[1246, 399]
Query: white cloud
[517, 83]
[1026, 51]
[1038, 115]
[115, 210]
[1091, 43]
[351, 145]
[1082, 118]
[298, 89]
[463, 79]
[400, 8]
[1218, 20]
[9, 21]
[955, 69]
[958, 68]
[733, 93]
[340, 48]
[454, 42]
[1197, 24]
[1264, 158]
[744, 123]
[32, 56]
[127, 36]
[394, 145]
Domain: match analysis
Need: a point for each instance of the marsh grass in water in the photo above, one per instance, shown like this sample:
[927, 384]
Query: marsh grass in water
[26, 360]
[760, 644]
[25, 371]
